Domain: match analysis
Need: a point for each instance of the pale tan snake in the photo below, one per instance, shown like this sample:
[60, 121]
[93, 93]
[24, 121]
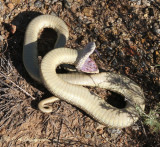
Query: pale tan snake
[68, 87]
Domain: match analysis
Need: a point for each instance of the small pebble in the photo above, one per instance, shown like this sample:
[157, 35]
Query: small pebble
[86, 21]
[113, 131]
[146, 2]
[121, 53]
[100, 129]
[96, 31]
[108, 58]
[80, 1]
[10, 6]
[151, 50]
[54, 1]
[38, 4]
[78, 30]
[30, 4]
[110, 53]
[156, 28]
[1, 38]
[1, 6]
[88, 11]
[87, 135]
[68, 3]
[109, 48]
[149, 56]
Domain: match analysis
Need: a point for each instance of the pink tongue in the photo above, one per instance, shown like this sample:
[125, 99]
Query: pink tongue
[89, 66]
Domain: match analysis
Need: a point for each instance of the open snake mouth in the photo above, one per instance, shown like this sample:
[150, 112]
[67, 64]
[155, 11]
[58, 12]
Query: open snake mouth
[83, 62]
[89, 66]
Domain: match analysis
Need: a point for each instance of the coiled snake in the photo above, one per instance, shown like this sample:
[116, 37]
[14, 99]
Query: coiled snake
[68, 87]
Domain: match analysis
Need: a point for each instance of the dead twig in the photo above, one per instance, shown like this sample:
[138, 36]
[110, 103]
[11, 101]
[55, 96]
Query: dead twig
[2, 74]
[61, 123]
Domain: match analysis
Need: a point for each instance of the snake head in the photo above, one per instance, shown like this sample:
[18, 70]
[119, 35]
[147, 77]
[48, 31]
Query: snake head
[83, 62]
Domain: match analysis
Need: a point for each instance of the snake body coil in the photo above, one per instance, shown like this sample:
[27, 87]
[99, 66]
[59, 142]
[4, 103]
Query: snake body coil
[67, 86]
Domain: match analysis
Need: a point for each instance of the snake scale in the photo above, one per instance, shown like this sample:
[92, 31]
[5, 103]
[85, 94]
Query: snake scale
[69, 87]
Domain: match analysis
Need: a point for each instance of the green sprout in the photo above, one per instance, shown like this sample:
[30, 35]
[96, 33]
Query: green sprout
[152, 119]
